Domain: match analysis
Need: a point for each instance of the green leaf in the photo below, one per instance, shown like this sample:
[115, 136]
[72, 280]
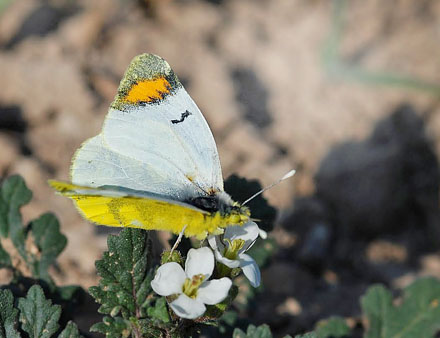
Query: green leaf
[151, 328]
[13, 195]
[334, 327]
[160, 310]
[113, 327]
[47, 241]
[125, 275]
[229, 317]
[50, 243]
[239, 334]
[262, 331]
[306, 335]
[39, 318]
[8, 315]
[241, 189]
[417, 316]
[70, 331]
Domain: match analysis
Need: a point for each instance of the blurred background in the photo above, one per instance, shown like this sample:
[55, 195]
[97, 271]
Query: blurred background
[346, 92]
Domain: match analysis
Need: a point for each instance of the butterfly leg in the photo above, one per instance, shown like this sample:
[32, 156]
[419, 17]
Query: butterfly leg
[179, 239]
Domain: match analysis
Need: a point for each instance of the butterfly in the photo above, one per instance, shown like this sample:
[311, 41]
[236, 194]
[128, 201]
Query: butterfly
[155, 164]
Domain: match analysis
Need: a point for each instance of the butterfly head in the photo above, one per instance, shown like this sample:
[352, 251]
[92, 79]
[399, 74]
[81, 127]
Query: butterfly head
[234, 212]
[221, 203]
[239, 212]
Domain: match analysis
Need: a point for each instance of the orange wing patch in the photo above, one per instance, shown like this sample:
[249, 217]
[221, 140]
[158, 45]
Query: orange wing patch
[148, 91]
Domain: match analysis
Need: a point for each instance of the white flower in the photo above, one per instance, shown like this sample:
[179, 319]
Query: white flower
[192, 285]
[230, 248]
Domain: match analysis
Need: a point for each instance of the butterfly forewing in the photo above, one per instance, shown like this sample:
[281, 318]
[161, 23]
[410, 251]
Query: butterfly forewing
[154, 138]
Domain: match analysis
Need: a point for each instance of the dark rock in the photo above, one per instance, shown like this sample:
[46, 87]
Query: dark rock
[43, 20]
[384, 183]
[11, 119]
[253, 96]
[386, 186]
[310, 221]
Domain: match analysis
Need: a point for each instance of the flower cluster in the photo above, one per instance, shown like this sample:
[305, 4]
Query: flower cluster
[189, 290]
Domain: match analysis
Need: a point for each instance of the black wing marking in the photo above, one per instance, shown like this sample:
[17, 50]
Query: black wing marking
[182, 117]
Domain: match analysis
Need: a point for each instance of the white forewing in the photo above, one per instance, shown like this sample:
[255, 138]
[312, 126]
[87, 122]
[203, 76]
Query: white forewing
[96, 165]
[143, 149]
[183, 150]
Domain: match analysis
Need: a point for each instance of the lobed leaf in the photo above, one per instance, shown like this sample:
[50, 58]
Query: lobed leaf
[13, 195]
[113, 327]
[70, 331]
[49, 242]
[417, 316]
[8, 315]
[160, 310]
[307, 335]
[262, 331]
[38, 244]
[149, 327]
[333, 327]
[39, 318]
[125, 275]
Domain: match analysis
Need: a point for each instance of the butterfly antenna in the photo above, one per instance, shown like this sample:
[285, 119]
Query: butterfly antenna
[289, 174]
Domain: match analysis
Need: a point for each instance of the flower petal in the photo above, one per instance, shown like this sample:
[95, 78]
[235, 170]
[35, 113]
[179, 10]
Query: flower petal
[186, 307]
[263, 234]
[250, 269]
[214, 291]
[199, 261]
[226, 261]
[248, 232]
[215, 243]
[169, 279]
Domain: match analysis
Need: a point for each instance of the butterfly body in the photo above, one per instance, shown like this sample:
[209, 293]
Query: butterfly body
[155, 164]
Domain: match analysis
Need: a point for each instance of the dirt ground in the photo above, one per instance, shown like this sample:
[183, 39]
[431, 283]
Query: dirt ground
[283, 84]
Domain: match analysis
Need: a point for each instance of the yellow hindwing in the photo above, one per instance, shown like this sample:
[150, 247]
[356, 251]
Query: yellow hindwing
[99, 207]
